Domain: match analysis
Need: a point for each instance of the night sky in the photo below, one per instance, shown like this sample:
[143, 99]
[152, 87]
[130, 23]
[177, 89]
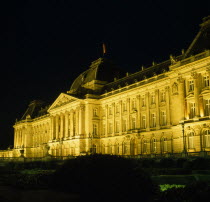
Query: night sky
[45, 45]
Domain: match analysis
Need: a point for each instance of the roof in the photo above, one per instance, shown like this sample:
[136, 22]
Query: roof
[35, 109]
[101, 69]
[202, 39]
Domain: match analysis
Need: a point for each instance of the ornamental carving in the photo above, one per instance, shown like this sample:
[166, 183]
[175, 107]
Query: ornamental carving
[194, 75]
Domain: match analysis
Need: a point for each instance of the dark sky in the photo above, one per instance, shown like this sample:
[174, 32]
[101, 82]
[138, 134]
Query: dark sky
[45, 45]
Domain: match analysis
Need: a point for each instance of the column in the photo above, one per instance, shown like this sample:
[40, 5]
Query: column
[147, 111]
[181, 97]
[113, 106]
[195, 76]
[157, 109]
[77, 121]
[15, 137]
[52, 127]
[66, 124]
[168, 118]
[107, 128]
[128, 114]
[61, 126]
[121, 119]
[56, 127]
[138, 121]
[81, 119]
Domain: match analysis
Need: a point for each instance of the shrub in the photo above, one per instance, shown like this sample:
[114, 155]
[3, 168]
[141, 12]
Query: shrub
[104, 178]
[201, 164]
[167, 163]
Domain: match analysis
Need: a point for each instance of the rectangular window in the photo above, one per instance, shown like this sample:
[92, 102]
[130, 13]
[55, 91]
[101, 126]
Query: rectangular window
[143, 102]
[153, 99]
[134, 103]
[117, 128]
[191, 85]
[162, 96]
[110, 128]
[153, 120]
[207, 107]
[104, 129]
[124, 126]
[206, 81]
[95, 112]
[165, 148]
[95, 130]
[144, 121]
[163, 118]
[192, 110]
[133, 123]
[110, 110]
[117, 108]
[124, 106]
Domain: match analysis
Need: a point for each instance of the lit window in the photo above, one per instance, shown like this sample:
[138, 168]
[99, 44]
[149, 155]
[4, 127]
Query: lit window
[143, 102]
[133, 103]
[133, 123]
[207, 107]
[153, 120]
[162, 96]
[124, 148]
[110, 128]
[95, 112]
[117, 128]
[144, 121]
[154, 145]
[206, 81]
[192, 110]
[110, 110]
[117, 108]
[124, 106]
[191, 140]
[191, 85]
[144, 146]
[153, 99]
[165, 148]
[104, 129]
[117, 148]
[163, 118]
[124, 125]
[109, 149]
[95, 130]
[207, 138]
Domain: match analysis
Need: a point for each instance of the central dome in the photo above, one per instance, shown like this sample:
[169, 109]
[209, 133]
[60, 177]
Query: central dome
[100, 72]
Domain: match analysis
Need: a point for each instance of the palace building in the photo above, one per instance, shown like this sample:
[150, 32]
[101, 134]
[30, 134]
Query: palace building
[163, 110]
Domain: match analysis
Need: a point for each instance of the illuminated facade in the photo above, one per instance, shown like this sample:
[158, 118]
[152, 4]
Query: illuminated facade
[160, 110]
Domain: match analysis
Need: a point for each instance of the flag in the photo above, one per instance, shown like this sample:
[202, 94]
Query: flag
[104, 49]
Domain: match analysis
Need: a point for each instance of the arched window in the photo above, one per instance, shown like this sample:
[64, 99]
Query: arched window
[103, 149]
[117, 148]
[207, 138]
[191, 140]
[144, 146]
[132, 147]
[93, 149]
[124, 148]
[165, 144]
[109, 148]
[154, 145]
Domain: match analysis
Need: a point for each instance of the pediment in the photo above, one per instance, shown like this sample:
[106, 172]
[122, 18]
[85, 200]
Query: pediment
[62, 99]
[190, 95]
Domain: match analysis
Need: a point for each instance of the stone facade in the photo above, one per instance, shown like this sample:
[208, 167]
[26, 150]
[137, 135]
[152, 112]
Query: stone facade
[160, 110]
